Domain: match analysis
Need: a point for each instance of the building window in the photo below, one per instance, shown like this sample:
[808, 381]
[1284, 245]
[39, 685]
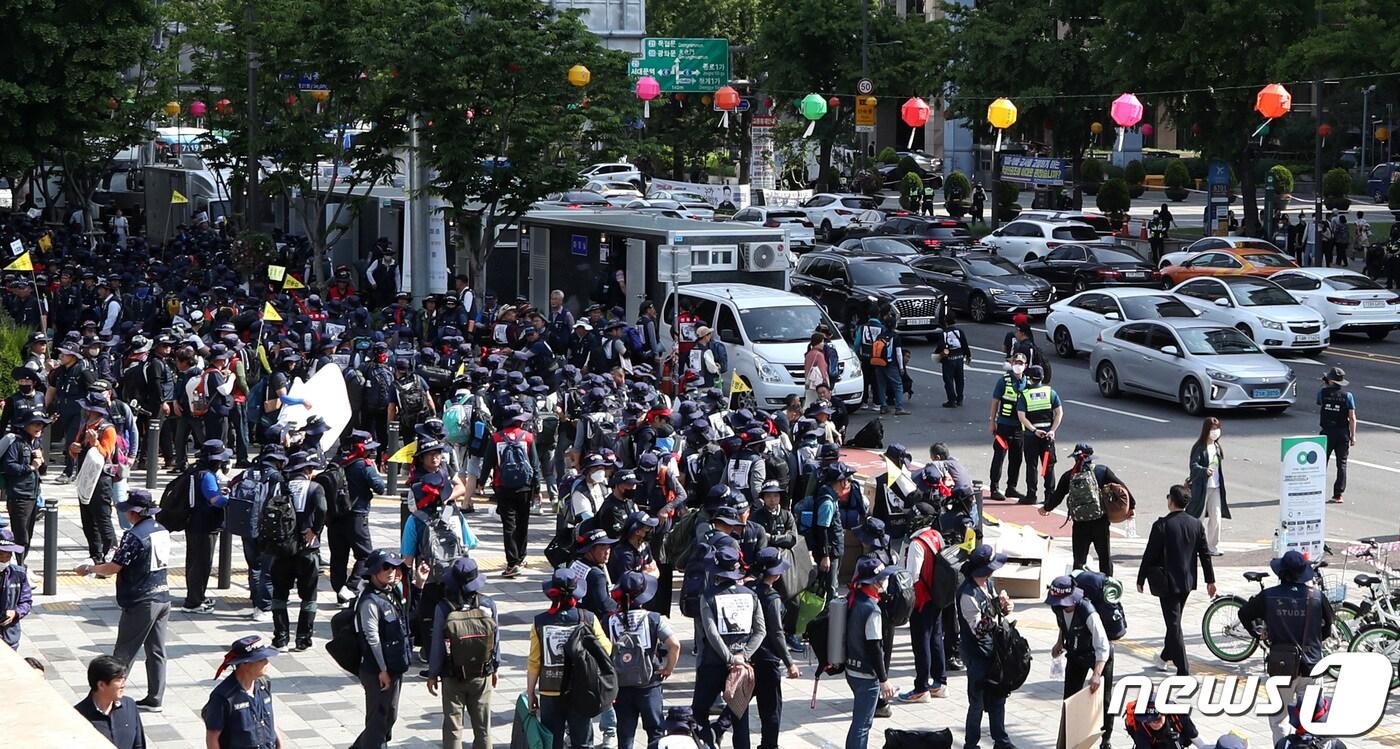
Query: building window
[714, 258]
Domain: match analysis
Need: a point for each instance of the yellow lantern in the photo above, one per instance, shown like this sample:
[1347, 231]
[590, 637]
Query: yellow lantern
[1001, 113]
[579, 76]
[706, 100]
[172, 108]
[1096, 128]
[1382, 134]
[320, 95]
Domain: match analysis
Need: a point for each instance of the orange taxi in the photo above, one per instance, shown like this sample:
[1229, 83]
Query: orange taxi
[1228, 261]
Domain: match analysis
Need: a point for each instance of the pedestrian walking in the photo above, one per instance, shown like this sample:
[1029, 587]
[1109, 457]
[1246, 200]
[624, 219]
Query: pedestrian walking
[516, 480]
[1337, 420]
[22, 464]
[1297, 619]
[1085, 490]
[207, 501]
[1341, 239]
[239, 712]
[866, 670]
[645, 652]
[1157, 236]
[1039, 410]
[980, 604]
[97, 436]
[381, 616]
[546, 675]
[814, 372]
[297, 560]
[773, 661]
[1005, 428]
[107, 708]
[348, 533]
[1085, 645]
[953, 353]
[979, 203]
[465, 655]
[1207, 481]
[887, 361]
[68, 385]
[141, 565]
[1175, 544]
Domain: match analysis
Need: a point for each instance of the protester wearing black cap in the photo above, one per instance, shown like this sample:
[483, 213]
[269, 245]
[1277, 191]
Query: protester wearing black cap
[435, 534]
[1076, 487]
[16, 596]
[410, 400]
[381, 615]
[28, 396]
[1152, 729]
[1337, 419]
[347, 533]
[1084, 643]
[206, 520]
[189, 426]
[980, 606]
[22, 465]
[826, 537]
[97, 440]
[773, 660]
[465, 654]
[633, 552]
[546, 670]
[1040, 413]
[645, 652]
[865, 655]
[1297, 619]
[217, 383]
[68, 384]
[239, 713]
[143, 592]
[731, 629]
[297, 559]
[107, 708]
[516, 479]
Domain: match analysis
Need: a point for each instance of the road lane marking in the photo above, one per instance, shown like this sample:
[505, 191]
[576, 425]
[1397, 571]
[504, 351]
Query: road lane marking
[1012, 326]
[1375, 358]
[1373, 465]
[1384, 390]
[1378, 424]
[1314, 362]
[1118, 411]
[996, 351]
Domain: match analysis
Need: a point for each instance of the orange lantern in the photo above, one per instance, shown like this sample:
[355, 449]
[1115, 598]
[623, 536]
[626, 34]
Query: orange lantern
[1273, 101]
[579, 76]
[727, 99]
[172, 109]
[1382, 134]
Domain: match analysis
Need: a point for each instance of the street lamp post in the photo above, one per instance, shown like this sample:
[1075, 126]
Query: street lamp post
[1365, 124]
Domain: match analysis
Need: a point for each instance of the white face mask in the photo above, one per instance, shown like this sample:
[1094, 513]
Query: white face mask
[1017, 369]
[1214, 434]
[597, 476]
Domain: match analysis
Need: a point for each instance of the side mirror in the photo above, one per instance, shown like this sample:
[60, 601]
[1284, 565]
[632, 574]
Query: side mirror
[959, 273]
[997, 233]
[1112, 316]
[1171, 350]
[730, 336]
[1223, 302]
[840, 283]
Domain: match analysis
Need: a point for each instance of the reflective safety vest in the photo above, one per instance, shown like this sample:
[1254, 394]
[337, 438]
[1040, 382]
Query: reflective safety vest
[1010, 393]
[1039, 405]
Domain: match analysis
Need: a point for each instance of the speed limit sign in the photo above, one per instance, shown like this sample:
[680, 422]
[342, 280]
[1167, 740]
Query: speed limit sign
[865, 87]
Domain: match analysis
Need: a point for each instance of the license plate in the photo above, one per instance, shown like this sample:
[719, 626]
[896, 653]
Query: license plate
[1267, 392]
[1372, 303]
[1309, 338]
[1038, 311]
[915, 321]
[1135, 275]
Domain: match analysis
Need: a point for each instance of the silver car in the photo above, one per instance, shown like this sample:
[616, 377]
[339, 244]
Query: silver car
[1200, 365]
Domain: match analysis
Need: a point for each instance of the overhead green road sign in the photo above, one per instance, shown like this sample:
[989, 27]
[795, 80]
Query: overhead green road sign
[688, 65]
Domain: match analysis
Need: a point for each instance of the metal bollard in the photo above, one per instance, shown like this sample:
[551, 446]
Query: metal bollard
[393, 478]
[50, 547]
[225, 559]
[404, 511]
[152, 451]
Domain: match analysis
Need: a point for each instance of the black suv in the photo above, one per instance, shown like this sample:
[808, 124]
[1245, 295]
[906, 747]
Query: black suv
[852, 286]
[936, 233]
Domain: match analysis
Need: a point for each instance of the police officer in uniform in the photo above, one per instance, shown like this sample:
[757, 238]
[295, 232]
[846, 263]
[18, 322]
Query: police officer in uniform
[1338, 422]
[732, 628]
[382, 624]
[1157, 236]
[1005, 429]
[238, 714]
[1040, 413]
[953, 355]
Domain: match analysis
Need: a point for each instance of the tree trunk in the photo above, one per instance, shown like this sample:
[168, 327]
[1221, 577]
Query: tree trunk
[1077, 196]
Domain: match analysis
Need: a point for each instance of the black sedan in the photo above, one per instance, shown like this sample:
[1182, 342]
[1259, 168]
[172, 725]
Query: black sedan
[982, 284]
[1076, 267]
[936, 233]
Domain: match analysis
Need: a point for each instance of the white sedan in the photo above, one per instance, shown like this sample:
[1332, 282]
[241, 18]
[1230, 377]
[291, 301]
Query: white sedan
[1348, 301]
[1074, 323]
[1259, 308]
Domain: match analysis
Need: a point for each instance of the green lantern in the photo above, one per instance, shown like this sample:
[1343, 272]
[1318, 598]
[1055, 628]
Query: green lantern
[813, 108]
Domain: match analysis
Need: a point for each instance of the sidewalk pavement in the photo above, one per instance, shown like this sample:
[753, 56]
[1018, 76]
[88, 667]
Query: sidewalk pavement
[318, 705]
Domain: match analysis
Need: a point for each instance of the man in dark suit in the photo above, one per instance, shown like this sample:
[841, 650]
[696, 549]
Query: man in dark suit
[1176, 542]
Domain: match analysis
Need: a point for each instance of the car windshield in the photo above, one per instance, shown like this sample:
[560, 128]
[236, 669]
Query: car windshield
[1352, 283]
[1261, 295]
[1100, 223]
[1216, 341]
[782, 324]
[991, 266]
[785, 216]
[1254, 244]
[1076, 233]
[946, 232]
[889, 247]
[864, 204]
[1268, 259]
[882, 274]
[1116, 256]
[1152, 306]
[689, 197]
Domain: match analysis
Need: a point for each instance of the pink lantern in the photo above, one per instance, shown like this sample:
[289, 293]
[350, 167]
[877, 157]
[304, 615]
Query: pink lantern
[1147, 130]
[914, 112]
[1126, 112]
[198, 108]
[648, 88]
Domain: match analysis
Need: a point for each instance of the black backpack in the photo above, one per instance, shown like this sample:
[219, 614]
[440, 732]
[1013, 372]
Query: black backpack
[870, 437]
[174, 512]
[919, 738]
[410, 395]
[589, 673]
[513, 468]
[344, 645]
[1096, 587]
[332, 480]
[277, 525]
[899, 597]
[379, 382]
[247, 498]
[1011, 660]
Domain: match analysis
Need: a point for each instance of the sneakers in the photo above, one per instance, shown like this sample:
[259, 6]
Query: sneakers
[65, 479]
[1162, 665]
[938, 692]
[1335, 500]
[794, 644]
[609, 740]
[302, 644]
[902, 412]
[883, 710]
[149, 705]
[261, 616]
[950, 404]
[997, 496]
[913, 696]
[1012, 492]
[511, 571]
[203, 608]
[953, 664]
[344, 595]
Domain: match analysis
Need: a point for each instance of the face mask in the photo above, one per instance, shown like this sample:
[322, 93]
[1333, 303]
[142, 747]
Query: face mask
[1017, 369]
[26, 389]
[1214, 434]
[629, 493]
[597, 476]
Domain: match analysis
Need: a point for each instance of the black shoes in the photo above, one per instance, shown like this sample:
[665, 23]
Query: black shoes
[149, 705]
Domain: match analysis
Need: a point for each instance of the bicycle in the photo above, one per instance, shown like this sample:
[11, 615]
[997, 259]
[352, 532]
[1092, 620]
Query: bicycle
[1376, 619]
[1230, 641]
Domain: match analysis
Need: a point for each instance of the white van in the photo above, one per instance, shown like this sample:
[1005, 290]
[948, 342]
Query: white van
[765, 331]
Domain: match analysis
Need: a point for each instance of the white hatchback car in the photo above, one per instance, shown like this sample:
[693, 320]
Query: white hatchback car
[1348, 301]
[1030, 239]
[1074, 324]
[832, 212]
[1259, 308]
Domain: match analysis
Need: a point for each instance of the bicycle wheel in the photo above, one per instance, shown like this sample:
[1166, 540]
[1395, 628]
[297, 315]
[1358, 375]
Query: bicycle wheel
[1340, 640]
[1383, 640]
[1225, 636]
[1348, 612]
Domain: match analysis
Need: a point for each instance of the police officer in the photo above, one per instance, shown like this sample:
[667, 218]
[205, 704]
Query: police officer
[382, 624]
[953, 355]
[1157, 236]
[1005, 428]
[731, 630]
[238, 714]
[1338, 422]
[349, 534]
[773, 660]
[1039, 411]
[143, 592]
[1295, 617]
[1084, 643]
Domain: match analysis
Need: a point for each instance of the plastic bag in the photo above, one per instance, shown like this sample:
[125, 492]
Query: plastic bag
[1057, 667]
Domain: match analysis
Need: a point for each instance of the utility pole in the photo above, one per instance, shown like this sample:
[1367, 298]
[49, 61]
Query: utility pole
[1365, 126]
[254, 164]
[864, 73]
[1317, 139]
[415, 252]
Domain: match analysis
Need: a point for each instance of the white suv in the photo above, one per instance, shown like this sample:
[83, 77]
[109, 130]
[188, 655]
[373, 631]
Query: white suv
[832, 212]
[620, 171]
[1032, 239]
[765, 332]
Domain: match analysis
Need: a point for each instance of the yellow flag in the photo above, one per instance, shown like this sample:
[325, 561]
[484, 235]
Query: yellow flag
[892, 471]
[262, 358]
[275, 272]
[45, 243]
[177, 199]
[969, 543]
[737, 384]
[270, 312]
[21, 263]
[405, 453]
[461, 369]
[290, 282]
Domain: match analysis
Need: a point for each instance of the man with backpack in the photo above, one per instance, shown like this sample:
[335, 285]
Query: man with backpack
[887, 362]
[516, 479]
[935, 586]
[465, 654]
[217, 384]
[645, 650]
[247, 496]
[381, 621]
[410, 400]
[550, 680]
[1084, 489]
[290, 534]
[353, 480]
[434, 535]
[730, 631]
[378, 392]
[97, 439]
[773, 660]
[1085, 645]
[865, 336]
[747, 470]
[208, 497]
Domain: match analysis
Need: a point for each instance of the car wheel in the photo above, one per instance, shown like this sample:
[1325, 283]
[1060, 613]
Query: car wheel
[826, 231]
[1064, 344]
[1107, 377]
[1193, 399]
[977, 308]
[1080, 285]
[1248, 332]
[1029, 257]
[1378, 334]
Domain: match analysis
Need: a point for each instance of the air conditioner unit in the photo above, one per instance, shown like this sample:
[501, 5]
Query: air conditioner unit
[764, 256]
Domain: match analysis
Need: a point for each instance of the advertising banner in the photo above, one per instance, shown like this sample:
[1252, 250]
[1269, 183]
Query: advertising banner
[1303, 495]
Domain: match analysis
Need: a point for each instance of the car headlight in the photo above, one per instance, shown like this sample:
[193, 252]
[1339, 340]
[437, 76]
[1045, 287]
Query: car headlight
[1291, 374]
[1271, 325]
[1216, 374]
[768, 372]
[995, 291]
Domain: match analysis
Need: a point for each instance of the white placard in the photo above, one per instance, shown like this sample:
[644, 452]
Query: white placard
[734, 614]
[1303, 494]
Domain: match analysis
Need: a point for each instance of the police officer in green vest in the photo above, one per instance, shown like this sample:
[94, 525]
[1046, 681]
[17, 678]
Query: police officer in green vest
[1157, 236]
[1040, 413]
[1006, 432]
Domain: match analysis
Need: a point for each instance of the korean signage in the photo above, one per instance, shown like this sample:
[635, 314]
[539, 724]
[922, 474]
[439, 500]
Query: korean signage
[762, 174]
[1035, 171]
[865, 114]
[1303, 495]
[691, 65]
[578, 245]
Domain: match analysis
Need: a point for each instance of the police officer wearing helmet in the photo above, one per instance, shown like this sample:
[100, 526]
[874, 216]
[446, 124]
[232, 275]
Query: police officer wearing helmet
[238, 714]
[1040, 413]
[1297, 619]
[1338, 424]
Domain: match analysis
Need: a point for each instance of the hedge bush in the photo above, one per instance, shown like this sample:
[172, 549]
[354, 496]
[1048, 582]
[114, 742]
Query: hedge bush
[888, 156]
[1283, 179]
[1113, 199]
[12, 339]
[1336, 183]
[1177, 178]
[1157, 165]
[1135, 173]
[957, 184]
